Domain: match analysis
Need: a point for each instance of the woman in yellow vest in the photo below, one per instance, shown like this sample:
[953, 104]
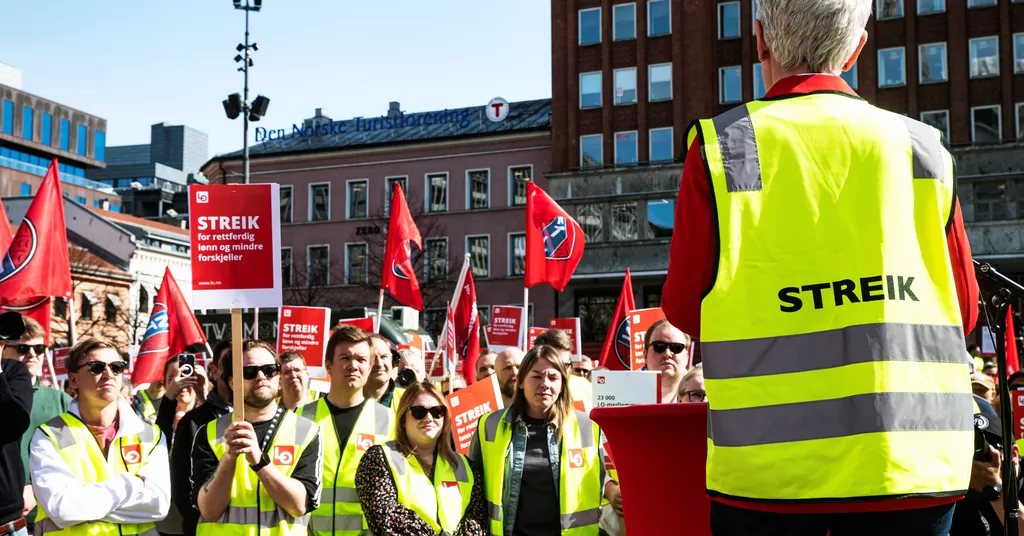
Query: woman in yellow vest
[417, 484]
[542, 463]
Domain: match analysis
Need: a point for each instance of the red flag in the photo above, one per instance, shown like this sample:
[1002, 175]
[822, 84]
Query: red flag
[6, 236]
[1010, 338]
[554, 241]
[172, 328]
[37, 309]
[450, 344]
[398, 276]
[36, 263]
[617, 348]
[467, 327]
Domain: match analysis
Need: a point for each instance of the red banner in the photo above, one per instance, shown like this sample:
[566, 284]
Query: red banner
[468, 405]
[571, 327]
[640, 321]
[504, 331]
[305, 330]
[365, 324]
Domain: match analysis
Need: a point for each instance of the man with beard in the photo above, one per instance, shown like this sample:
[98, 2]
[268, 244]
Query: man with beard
[506, 366]
[294, 381]
[666, 352]
[350, 426]
[282, 454]
[485, 365]
[380, 386]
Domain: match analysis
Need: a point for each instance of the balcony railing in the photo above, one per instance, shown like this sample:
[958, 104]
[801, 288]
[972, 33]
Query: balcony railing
[64, 177]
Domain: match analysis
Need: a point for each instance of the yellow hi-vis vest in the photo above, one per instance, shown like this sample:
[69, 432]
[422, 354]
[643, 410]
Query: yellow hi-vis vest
[340, 513]
[579, 482]
[396, 398]
[441, 503]
[251, 511]
[579, 389]
[148, 409]
[833, 353]
[80, 451]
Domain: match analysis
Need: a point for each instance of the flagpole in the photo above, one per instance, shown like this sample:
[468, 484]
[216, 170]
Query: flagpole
[526, 316]
[72, 331]
[256, 323]
[455, 301]
[380, 308]
[53, 373]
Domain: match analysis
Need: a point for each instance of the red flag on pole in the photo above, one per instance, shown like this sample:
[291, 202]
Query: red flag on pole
[172, 328]
[36, 263]
[450, 346]
[37, 308]
[398, 275]
[6, 236]
[554, 241]
[467, 328]
[617, 348]
[1010, 338]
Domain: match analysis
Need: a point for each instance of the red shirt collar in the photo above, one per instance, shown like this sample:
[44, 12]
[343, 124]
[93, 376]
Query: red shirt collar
[803, 84]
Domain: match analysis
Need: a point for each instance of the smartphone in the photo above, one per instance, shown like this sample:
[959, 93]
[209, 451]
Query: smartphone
[186, 365]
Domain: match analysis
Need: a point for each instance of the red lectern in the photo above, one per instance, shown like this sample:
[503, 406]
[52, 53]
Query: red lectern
[660, 451]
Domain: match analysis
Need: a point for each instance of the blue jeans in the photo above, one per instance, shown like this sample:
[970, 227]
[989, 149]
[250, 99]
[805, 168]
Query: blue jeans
[732, 521]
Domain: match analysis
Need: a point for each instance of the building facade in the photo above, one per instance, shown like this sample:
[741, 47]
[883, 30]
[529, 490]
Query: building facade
[465, 181]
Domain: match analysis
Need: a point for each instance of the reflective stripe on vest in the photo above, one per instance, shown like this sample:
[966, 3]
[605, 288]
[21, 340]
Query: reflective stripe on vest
[148, 409]
[831, 332]
[80, 451]
[441, 503]
[340, 513]
[251, 511]
[579, 482]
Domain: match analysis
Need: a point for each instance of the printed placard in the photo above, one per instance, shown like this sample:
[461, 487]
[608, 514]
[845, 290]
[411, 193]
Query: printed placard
[1017, 399]
[625, 387]
[571, 326]
[434, 362]
[305, 330]
[505, 329]
[59, 370]
[531, 334]
[640, 320]
[471, 403]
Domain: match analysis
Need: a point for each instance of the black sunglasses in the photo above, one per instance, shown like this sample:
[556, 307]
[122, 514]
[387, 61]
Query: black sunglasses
[660, 346]
[582, 372]
[97, 367]
[23, 349]
[420, 412]
[269, 371]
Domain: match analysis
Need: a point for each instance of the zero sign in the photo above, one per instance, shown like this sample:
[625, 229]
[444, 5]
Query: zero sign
[497, 109]
[575, 458]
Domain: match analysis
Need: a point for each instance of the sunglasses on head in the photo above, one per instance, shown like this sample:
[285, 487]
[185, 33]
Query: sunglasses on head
[269, 371]
[661, 346]
[23, 349]
[420, 412]
[96, 367]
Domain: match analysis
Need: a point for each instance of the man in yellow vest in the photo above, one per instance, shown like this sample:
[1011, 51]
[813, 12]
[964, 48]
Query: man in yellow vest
[380, 386]
[351, 423]
[99, 469]
[148, 400]
[819, 257]
[579, 387]
[260, 476]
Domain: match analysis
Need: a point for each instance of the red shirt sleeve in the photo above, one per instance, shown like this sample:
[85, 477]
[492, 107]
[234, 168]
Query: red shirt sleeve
[694, 246]
[963, 269]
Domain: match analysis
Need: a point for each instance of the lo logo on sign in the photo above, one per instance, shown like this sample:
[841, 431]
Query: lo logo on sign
[1020, 400]
[132, 454]
[455, 401]
[202, 197]
[287, 313]
[575, 458]
[600, 380]
[364, 441]
[284, 454]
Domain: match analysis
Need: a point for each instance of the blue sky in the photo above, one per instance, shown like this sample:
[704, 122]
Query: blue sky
[136, 63]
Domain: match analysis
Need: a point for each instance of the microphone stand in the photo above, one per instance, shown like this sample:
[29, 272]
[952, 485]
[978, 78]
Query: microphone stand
[997, 324]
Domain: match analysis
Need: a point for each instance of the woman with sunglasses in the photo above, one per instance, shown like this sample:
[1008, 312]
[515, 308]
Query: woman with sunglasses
[541, 460]
[417, 484]
[666, 351]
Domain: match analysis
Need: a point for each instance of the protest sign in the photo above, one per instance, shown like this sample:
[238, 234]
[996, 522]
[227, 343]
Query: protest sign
[305, 330]
[59, 355]
[1017, 399]
[436, 366]
[625, 387]
[640, 320]
[571, 327]
[365, 323]
[505, 329]
[531, 334]
[468, 405]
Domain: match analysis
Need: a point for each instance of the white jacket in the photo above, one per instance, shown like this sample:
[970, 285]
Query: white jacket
[126, 499]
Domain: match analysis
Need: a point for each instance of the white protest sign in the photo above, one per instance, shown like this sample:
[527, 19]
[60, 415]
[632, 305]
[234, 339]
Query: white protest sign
[625, 387]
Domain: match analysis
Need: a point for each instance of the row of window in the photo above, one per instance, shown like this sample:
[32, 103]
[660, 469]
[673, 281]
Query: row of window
[36, 165]
[659, 86]
[126, 182]
[88, 301]
[659, 22]
[893, 9]
[46, 132]
[478, 194]
[986, 122]
[932, 64]
[660, 148]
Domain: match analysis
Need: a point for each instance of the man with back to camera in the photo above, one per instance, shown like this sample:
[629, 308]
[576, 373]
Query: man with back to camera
[819, 256]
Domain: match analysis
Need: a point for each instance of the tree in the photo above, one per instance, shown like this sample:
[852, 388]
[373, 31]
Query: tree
[314, 285]
[110, 317]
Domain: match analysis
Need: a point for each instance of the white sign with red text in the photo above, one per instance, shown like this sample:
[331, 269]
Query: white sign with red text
[468, 405]
[625, 387]
[305, 330]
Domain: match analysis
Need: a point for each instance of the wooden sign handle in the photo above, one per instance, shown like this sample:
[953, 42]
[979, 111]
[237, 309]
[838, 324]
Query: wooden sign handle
[237, 383]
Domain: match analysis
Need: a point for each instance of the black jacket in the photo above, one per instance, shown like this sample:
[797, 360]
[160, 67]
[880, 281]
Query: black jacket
[181, 456]
[16, 408]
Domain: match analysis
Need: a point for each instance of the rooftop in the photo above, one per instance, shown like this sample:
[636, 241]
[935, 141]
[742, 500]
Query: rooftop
[141, 222]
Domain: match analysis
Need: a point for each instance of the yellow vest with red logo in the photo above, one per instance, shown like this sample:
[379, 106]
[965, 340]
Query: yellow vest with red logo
[441, 503]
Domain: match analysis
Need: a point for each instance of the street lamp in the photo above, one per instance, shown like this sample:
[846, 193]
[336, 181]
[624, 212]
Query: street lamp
[236, 104]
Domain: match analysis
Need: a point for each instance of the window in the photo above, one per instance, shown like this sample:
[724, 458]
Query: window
[60, 307]
[892, 67]
[625, 86]
[753, 17]
[624, 225]
[80, 200]
[478, 188]
[659, 20]
[87, 303]
[320, 201]
[661, 145]
[940, 120]
[625, 148]
[851, 76]
[479, 249]
[26, 123]
[661, 215]
[984, 57]
[990, 201]
[437, 192]
[981, 3]
[516, 254]
[435, 261]
[927, 7]
[99, 146]
[758, 77]
[286, 204]
[143, 299]
[624, 22]
[729, 20]
[932, 61]
[318, 266]
[65, 135]
[26, 189]
[986, 124]
[286, 267]
[590, 151]
[358, 199]
[730, 89]
[590, 26]
[590, 90]
[83, 139]
[46, 131]
[389, 189]
[1020, 121]
[1018, 53]
[113, 302]
[890, 9]
[8, 126]
[433, 320]
[356, 264]
[660, 82]
[591, 220]
[596, 310]
[518, 177]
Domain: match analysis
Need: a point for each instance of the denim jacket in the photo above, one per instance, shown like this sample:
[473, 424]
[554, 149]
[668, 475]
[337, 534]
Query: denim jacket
[515, 458]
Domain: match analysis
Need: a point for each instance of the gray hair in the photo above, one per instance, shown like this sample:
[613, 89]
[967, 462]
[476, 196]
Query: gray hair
[817, 34]
[697, 369]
